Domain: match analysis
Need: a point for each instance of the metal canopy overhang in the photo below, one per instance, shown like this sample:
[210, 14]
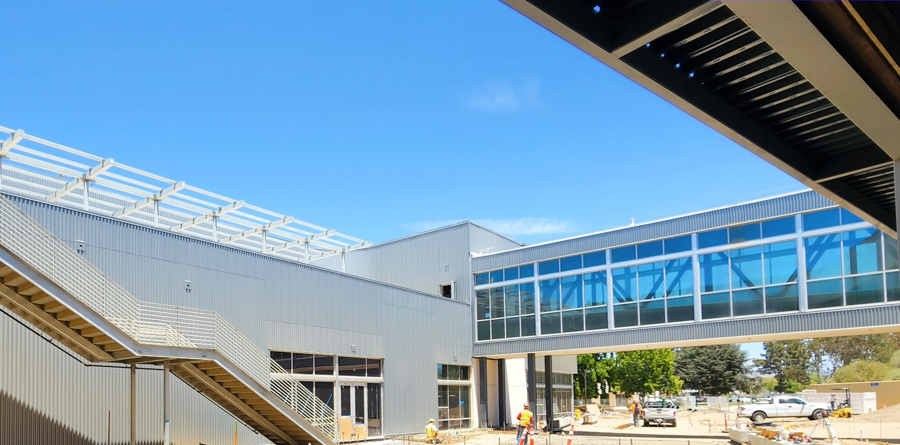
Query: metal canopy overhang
[40, 169]
[763, 75]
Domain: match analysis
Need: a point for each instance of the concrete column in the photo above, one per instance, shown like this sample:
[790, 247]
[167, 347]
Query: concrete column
[133, 405]
[501, 391]
[483, 393]
[531, 380]
[548, 390]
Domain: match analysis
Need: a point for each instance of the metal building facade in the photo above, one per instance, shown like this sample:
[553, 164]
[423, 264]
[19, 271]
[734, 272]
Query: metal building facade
[276, 303]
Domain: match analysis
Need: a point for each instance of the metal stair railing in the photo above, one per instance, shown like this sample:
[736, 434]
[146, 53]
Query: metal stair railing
[154, 323]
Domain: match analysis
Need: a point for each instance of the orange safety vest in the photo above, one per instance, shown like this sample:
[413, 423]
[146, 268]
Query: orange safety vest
[524, 417]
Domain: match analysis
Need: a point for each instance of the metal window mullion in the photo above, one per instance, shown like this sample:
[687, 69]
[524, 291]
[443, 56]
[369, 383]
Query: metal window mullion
[610, 318]
[802, 293]
[537, 303]
[695, 269]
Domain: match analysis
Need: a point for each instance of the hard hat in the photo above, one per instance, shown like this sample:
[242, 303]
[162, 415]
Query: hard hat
[430, 420]
[527, 404]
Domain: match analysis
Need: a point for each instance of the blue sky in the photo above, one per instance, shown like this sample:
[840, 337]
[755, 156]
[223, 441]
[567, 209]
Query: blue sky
[378, 119]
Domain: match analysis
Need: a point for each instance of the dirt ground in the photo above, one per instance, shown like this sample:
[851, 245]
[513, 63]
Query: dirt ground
[700, 427]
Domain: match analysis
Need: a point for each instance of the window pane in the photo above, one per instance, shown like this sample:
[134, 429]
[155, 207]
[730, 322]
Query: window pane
[484, 330]
[550, 323]
[747, 232]
[443, 395]
[620, 254]
[352, 366]
[464, 373]
[747, 302]
[624, 284]
[483, 302]
[302, 364]
[497, 302]
[715, 305]
[512, 327]
[776, 227]
[570, 263]
[890, 253]
[443, 371]
[595, 318]
[282, 358]
[823, 256]
[780, 262]
[893, 286]
[496, 276]
[374, 408]
[526, 271]
[625, 315]
[865, 289]
[782, 298]
[528, 326]
[526, 294]
[498, 329]
[712, 238]
[849, 218]
[571, 292]
[746, 267]
[325, 393]
[650, 281]
[324, 364]
[680, 244]
[512, 300]
[453, 373]
[653, 312]
[650, 249]
[464, 400]
[828, 293]
[511, 273]
[482, 278]
[595, 289]
[546, 267]
[680, 309]
[550, 295]
[714, 272]
[821, 220]
[595, 259]
[679, 277]
[862, 252]
[573, 321]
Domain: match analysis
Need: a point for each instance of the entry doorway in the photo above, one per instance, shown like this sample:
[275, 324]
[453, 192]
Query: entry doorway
[362, 403]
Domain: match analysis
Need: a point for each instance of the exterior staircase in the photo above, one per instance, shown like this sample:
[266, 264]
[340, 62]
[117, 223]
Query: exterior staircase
[50, 285]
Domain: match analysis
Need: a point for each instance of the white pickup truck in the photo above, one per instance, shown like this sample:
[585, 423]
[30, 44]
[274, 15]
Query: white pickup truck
[784, 406]
[658, 412]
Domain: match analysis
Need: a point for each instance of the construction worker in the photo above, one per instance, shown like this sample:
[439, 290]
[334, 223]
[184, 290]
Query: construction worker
[525, 417]
[635, 409]
[431, 430]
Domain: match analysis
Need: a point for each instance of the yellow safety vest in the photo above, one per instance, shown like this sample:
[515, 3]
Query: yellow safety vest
[431, 430]
[525, 418]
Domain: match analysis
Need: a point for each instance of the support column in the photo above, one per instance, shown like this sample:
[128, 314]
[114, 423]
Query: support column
[531, 379]
[133, 404]
[166, 402]
[801, 265]
[501, 391]
[548, 390]
[482, 393]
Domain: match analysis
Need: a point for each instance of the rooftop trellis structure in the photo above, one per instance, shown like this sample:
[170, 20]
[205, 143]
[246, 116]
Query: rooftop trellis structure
[40, 169]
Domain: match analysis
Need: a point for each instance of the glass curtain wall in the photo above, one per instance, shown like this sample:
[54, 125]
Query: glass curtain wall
[454, 397]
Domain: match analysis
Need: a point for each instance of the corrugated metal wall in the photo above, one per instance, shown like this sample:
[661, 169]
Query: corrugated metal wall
[283, 305]
[423, 261]
[769, 208]
[49, 397]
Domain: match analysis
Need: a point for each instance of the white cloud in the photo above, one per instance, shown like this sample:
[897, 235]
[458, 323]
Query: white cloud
[509, 227]
[503, 97]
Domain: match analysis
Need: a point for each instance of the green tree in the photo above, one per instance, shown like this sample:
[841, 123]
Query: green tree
[644, 372]
[863, 371]
[769, 383]
[712, 370]
[787, 360]
[842, 351]
[793, 387]
[587, 373]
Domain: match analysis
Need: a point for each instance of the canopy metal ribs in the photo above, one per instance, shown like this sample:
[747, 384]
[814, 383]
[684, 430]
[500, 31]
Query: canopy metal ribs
[36, 168]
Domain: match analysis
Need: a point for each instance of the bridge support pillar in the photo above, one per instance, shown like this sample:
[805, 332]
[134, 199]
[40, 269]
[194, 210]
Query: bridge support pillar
[133, 419]
[548, 390]
[501, 392]
[531, 379]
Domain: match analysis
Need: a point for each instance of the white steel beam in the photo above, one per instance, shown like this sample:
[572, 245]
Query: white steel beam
[203, 218]
[256, 230]
[144, 203]
[89, 176]
[11, 142]
[300, 242]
